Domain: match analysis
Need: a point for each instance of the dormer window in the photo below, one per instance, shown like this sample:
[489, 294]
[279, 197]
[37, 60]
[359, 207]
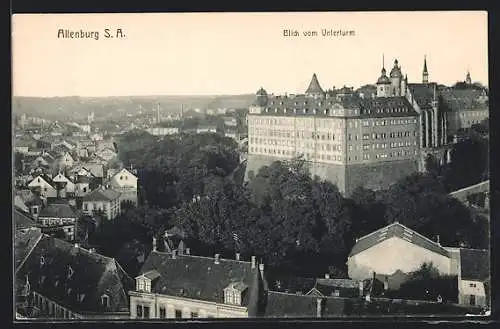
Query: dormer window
[70, 272]
[42, 260]
[105, 300]
[143, 282]
[234, 292]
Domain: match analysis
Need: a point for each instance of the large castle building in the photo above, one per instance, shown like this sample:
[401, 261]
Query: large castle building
[349, 138]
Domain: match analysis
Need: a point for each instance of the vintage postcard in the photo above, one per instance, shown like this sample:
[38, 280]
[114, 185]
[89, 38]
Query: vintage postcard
[179, 166]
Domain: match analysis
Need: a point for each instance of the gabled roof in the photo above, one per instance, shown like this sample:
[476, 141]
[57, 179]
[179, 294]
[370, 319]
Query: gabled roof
[43, 177]
[57, 210]
[76, 278]
[95, 169]
[123, 171]
[314, 86]
[396, 230]
[102, 195]
[60, 178]
[198, 277]
[474, 264]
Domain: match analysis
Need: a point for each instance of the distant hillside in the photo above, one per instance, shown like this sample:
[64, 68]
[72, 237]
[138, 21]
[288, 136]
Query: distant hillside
[236, 102]
[82, 106]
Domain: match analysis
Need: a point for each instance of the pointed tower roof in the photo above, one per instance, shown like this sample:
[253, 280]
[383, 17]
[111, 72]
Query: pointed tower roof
[425, 64]
[314, 86]
[396, 70]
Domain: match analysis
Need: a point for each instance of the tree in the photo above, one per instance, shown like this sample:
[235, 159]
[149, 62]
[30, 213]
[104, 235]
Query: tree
[19, 158]
[367, 212]
[421, 203]
[469, 164]
[427, 283]
[432, 166]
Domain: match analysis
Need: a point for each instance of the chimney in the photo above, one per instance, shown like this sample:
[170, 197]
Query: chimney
[91, 250]
[361, 288]
[188, 251]
[327, 276]
[318, 307]
[253, 262]
[154, 244]
[77, 245]
[174, 254]
[386, 283]
[217, 258]
[261, 269]
[237, 256]
[438, 240]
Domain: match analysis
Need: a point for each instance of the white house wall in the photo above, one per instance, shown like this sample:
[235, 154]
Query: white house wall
[391, 255]
[204, 309]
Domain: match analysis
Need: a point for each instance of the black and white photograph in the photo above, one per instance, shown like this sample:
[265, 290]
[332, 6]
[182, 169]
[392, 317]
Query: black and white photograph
[278, 165]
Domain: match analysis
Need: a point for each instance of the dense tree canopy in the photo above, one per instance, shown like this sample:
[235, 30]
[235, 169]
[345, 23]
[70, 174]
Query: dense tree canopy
[427, 283]
[175, 169]
[295, 223]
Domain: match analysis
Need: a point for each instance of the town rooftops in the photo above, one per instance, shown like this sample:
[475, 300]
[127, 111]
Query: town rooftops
[102, 195]
[474, 264]
[57, 210]
[76, 278]
[198, 277]
[95, 169]
[396, 230]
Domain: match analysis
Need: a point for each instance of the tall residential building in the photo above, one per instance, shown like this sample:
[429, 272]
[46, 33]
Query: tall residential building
[348, 139]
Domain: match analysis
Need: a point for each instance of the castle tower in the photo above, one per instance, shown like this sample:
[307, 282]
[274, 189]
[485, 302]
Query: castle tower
[396, 76]
[314, 89]
[383, 83]
[261, 97]
[425, 73]
[468, 80]
[404, 85]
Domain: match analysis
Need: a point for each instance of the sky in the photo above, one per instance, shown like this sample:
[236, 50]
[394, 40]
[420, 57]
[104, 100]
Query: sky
[237, 53]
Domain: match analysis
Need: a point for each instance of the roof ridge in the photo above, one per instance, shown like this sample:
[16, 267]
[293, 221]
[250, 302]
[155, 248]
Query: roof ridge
[374, 232]
[38, 239]
[205, 257]
[426, 238]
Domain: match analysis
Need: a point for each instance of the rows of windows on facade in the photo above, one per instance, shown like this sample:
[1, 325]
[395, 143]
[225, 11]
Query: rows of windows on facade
[306, 124]
[392, 122]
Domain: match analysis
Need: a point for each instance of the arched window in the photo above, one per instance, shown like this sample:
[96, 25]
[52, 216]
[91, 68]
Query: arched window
[105, 300]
